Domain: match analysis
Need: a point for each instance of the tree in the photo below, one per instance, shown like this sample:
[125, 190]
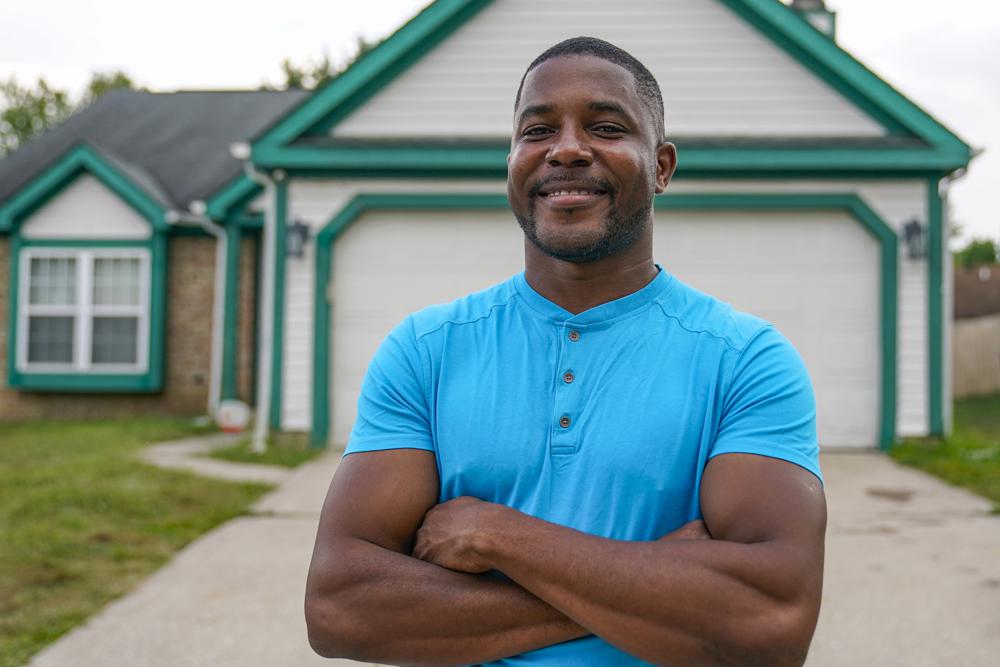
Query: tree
[103, 82]
[27, 112]
[978, 251]
[313, 74]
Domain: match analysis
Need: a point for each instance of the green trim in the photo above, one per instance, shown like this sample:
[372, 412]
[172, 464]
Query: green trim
[87, 383]
[840, 70]
[782, 25]
[372, 72]
[847, 203]
[234, 237]
[150, 380]
[935, 308]
[75, 162]
[84, 243]
[490, 162]
[278, 341]
[233, 197]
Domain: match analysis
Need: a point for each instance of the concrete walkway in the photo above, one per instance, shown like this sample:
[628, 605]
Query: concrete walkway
[913, 579]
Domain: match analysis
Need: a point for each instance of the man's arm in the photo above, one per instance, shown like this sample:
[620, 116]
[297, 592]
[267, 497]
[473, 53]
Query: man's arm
[368, 599]
[749, 596]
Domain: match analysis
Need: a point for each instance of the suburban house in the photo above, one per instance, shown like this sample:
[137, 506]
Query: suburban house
[809, 192]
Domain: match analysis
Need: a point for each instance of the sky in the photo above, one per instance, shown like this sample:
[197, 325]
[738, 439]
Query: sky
[944, 56]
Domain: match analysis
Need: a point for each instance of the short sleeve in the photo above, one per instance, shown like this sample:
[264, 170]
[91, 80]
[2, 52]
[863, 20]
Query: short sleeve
[392, 407]
[769, 407]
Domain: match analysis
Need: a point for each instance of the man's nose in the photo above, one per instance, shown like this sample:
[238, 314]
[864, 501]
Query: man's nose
[569, 148]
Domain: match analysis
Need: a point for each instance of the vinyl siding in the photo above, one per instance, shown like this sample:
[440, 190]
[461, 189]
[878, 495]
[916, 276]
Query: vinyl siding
[86, 209]
[317, 201]
[720, 77]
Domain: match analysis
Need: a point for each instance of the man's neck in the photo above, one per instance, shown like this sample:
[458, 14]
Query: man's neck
[579, 287]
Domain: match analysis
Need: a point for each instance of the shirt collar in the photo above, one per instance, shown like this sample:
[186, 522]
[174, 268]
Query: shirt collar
[603, 313]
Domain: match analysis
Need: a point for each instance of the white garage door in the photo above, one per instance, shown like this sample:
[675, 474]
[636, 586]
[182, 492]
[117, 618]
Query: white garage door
[815, 275]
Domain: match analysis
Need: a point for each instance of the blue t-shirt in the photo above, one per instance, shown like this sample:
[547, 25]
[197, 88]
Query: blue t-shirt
[601, 421]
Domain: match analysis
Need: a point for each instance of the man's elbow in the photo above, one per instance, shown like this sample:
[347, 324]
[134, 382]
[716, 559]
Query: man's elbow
[331, 632]
[334, 619]
[782, 638]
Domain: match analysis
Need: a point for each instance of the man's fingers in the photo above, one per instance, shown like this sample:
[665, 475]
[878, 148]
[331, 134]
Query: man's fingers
[693, 530]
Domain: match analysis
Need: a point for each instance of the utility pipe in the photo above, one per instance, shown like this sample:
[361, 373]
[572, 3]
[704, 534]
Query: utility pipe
[266, 342]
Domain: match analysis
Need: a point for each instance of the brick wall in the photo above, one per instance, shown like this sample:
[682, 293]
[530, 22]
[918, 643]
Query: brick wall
[246, 339]
[188, 340]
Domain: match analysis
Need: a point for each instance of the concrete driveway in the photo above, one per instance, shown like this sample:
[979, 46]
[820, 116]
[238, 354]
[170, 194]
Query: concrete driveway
[913, 579]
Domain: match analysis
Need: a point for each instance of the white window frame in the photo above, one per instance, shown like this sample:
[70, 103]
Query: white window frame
[84, 311]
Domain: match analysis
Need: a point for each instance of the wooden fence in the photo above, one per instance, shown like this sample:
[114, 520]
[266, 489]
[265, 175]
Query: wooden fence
[976, 354]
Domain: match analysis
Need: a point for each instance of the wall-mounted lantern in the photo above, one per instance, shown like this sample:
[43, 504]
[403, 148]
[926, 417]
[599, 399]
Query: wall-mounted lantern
[915, 237]
[296, 237]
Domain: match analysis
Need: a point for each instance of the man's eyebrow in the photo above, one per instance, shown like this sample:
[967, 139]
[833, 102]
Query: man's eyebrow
[534, 110]
[609, 107]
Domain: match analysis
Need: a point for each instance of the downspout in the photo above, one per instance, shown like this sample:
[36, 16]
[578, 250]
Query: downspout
[267, 314]
[196, 217]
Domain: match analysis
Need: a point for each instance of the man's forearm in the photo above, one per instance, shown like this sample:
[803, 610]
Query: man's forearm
[705, 602]
[387, 607]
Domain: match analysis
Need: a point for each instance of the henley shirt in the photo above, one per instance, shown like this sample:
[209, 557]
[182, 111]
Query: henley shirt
[601, 421]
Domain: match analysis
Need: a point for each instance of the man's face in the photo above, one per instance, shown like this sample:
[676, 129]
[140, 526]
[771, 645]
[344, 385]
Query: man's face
[585, 160]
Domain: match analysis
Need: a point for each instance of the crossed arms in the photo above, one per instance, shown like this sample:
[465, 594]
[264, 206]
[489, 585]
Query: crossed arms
[397, 579]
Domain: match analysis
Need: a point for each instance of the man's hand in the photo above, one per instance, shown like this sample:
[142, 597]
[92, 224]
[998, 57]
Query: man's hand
[455, 534]
[452, 534]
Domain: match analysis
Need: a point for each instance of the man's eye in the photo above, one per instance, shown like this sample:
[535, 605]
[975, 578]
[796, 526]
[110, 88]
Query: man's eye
[536, 131]
[608, 129]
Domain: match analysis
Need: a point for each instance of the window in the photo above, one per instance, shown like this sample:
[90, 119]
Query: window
[84, 310]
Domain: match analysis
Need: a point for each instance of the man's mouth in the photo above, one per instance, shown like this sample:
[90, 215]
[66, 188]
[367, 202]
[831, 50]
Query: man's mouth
[565, 195]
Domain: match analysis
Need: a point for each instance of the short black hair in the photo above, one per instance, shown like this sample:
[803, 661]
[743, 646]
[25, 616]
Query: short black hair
[645, 82]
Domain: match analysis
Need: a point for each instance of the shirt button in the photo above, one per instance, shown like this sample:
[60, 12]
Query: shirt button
[568, 377]
[574, 336]
[564, 421]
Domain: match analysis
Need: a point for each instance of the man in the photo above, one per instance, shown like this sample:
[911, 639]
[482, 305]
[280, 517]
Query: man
[530, 465]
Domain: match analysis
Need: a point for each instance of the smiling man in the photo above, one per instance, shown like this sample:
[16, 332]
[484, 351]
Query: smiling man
[591, 463]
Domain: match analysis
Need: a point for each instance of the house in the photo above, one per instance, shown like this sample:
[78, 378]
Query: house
[976, 341]
[799, 170]
[109, 289]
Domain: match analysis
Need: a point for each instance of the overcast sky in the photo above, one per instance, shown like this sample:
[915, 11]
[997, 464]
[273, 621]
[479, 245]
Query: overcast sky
[943, 55]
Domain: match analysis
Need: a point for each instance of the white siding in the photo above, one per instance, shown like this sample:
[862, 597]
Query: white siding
[86, 209]
[719, 75]
[896, 202]
[826, 303]
[317, 201]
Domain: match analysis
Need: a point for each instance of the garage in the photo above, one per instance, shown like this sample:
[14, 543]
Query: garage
[817, 274]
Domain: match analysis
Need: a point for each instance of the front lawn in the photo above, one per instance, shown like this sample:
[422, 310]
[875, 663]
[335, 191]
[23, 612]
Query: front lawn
[82, 521]
[970, 457]
[283, 449]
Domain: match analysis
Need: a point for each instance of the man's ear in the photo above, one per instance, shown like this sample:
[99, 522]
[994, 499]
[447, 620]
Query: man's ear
[666, 164]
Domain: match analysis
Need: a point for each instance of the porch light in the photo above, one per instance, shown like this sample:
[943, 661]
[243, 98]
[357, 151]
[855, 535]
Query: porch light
[296, 237]
[915, 237]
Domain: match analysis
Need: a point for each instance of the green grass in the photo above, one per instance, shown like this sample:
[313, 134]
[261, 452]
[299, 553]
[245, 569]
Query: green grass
[970, 457]
[82, 521]
[284, 449]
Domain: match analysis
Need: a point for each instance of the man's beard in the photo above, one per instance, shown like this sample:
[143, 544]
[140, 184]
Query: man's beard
[620, 230]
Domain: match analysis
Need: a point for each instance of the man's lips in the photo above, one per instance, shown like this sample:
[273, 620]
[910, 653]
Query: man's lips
[565, 195]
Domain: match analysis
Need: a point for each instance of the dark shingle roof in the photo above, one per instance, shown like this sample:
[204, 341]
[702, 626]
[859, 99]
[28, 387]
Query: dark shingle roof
[175, 146]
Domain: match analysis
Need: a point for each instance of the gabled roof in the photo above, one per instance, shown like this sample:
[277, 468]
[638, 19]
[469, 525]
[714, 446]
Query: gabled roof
[173, 146]
[918, 142]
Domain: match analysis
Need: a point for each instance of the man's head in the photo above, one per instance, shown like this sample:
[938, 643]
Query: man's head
[645, 83]
[588, 151]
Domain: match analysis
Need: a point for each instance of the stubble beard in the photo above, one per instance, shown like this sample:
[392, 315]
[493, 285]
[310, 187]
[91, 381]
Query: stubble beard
[619, 231]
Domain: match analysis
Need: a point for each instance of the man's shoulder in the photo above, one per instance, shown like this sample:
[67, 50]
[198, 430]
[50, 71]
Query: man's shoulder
[703, 314]
[471, 308]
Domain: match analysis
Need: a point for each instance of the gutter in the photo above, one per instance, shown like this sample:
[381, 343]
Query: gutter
[265, 345]
[196, 217]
